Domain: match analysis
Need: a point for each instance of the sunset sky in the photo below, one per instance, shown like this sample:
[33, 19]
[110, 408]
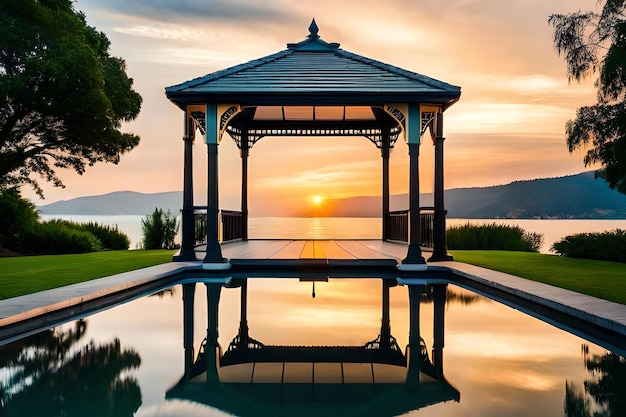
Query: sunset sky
[508, 125]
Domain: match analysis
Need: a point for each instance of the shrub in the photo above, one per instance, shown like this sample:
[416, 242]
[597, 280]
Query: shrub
[59, 236]
[493, 237]
[605, 246]
[110, 236]
[159, 230]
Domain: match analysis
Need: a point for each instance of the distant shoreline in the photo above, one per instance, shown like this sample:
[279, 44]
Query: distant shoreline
[572, 197]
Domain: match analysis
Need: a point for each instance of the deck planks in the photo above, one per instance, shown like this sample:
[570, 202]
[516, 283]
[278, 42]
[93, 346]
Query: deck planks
[326, 249]
[291, 251]
[333, 250]
[386, 249]
[358, 250]
[254, 249]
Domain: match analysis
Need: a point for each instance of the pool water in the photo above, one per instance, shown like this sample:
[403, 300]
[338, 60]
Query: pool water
[131, 359]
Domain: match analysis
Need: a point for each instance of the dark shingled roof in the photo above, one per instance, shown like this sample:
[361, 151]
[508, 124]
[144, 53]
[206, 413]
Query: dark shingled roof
[314, 72]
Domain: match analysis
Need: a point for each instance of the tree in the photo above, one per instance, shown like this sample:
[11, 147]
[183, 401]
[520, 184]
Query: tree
[593, 43]
[63, 98]
[17, 217]
[159, 230]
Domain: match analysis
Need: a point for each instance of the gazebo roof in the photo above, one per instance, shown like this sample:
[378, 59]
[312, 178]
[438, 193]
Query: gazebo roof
[313, 72]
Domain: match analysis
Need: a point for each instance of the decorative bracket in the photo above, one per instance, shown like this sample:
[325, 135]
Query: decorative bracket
[226, 112]
[428, 123]
[199, 119]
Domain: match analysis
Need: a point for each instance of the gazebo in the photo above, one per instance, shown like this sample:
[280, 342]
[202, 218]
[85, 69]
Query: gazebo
[313, 88]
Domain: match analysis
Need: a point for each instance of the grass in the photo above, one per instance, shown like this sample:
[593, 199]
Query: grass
[602, 279]
[25, 275]
[28, 274]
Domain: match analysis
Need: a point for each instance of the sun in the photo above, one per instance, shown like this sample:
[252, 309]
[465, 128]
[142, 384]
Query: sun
[317, 199]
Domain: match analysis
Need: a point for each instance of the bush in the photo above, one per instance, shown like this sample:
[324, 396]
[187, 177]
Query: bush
[493, 237]
[159, 230]
[57, 236]
[110, 236]
[605, 246]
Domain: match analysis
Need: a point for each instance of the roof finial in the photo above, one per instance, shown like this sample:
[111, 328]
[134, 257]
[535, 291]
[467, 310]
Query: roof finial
[313, 29]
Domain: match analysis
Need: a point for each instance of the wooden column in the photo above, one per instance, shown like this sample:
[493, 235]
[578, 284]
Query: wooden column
[440, 252]
[187, 252]
[385, 151]
[213, 248]
[414, 252]
[245, 151]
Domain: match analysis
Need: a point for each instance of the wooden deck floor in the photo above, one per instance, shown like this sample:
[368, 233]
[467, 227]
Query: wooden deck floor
[312, 251]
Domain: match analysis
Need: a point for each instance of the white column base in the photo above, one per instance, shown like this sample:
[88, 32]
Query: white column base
[217, 266]
[412, 267]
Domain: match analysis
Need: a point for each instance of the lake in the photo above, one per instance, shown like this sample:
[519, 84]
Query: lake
[358, 228]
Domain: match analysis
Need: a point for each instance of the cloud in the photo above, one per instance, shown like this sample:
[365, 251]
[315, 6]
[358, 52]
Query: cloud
[161, 32]
[194, 10]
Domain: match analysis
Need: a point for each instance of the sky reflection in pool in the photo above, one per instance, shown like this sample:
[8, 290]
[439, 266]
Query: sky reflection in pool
[501, 361]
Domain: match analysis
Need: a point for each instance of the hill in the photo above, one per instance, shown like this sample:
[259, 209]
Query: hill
[117, 203]
[572, 197]
[575, 196]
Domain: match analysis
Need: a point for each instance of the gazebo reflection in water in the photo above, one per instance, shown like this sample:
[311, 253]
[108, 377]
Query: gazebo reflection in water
[377, 378]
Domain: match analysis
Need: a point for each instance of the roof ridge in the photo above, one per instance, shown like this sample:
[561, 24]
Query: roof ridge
[230, 70]
[397, 70]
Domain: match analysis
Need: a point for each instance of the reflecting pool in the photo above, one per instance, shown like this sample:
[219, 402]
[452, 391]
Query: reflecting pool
[283, 347]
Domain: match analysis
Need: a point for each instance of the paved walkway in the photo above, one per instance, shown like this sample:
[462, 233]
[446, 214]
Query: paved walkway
[598, 312]
[15, 309]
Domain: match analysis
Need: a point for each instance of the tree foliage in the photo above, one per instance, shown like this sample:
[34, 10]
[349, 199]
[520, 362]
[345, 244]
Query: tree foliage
[17, 217]
[63, 98]
[595, 43]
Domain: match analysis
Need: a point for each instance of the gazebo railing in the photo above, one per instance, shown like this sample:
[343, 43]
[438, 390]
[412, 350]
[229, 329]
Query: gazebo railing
[231, 225]
[427, 227]
[199, 221]
[397, 226]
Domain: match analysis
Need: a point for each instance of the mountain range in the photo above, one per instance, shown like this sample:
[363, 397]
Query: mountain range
[574, 196]
[117, 203]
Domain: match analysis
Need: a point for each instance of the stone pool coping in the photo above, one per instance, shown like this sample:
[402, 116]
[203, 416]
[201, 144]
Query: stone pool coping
[598, 312]
[606, 314]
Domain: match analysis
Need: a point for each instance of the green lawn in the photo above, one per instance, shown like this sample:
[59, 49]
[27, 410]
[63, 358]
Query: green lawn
[24, 275]
[28, 274]
[600, 279]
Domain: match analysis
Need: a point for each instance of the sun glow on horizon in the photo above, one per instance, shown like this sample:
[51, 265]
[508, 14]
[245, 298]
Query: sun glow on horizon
[317, 199]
